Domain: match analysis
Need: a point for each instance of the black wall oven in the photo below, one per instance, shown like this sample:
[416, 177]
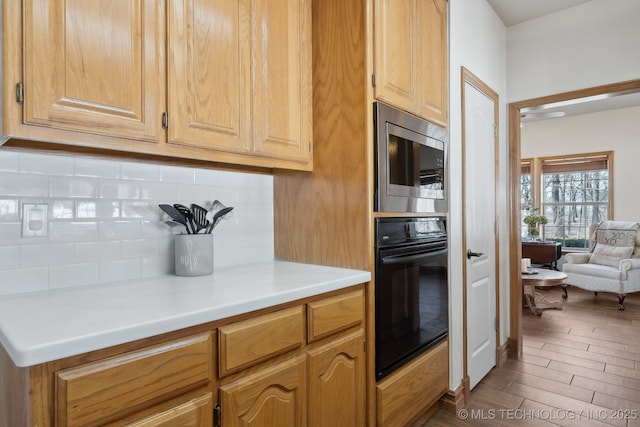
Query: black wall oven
[411, 291]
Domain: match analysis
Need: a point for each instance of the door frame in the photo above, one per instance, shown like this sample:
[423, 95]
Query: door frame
[514, 115]
[468, 77]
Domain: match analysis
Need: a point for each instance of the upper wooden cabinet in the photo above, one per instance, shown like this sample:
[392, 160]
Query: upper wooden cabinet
[217, 80]
[94, 66]
[410, 56]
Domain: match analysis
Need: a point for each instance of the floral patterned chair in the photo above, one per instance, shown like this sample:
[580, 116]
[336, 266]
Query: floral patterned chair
[613, 263]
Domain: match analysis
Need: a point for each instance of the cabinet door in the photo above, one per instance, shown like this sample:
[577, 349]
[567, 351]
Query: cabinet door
[282, 88]
[337, 383]
[431, 61]
[95, 66]
[208, 74]
[194, 413]
[394, 38]
[272, 397]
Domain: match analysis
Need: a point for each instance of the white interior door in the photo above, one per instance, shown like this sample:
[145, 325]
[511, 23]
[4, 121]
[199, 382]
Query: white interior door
[480, 226]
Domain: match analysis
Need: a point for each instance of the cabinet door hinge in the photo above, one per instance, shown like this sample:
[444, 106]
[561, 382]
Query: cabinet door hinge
[309, 146]
[364, 346]
[373, 80]
[217, 415]
[20, 93]
[165, 120]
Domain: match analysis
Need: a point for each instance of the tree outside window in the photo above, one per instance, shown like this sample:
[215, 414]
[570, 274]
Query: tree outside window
[575, 193]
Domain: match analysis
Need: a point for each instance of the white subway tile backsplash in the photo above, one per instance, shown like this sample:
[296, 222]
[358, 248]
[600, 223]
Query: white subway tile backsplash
[10, 233]
[46, 254]
[110, 189]
[97, 251]
[120, 230]
[24, 185]
[47, 165]
[140, 171]
[24, 280]
[139, 248]
[73, 187]
[9, 161]
[9, 210]
[64, 276]
[105, 223]
[97, 168]
[62, 209]
[73, 231]
[9, 257]
[177, 175]
[121, 269]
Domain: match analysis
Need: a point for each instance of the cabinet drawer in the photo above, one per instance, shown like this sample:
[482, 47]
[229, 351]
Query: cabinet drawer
[334, 314]
[246, 343]
[414, 388]
[106, 390]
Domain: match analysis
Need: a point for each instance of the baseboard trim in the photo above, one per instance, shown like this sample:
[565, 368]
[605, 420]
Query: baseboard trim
[513, 352]
[454, 400]
[502, 353]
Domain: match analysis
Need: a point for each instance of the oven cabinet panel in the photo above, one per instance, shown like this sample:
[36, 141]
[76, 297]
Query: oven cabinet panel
[410, 56]
[411, 390]
[135, 381]
[337, 383]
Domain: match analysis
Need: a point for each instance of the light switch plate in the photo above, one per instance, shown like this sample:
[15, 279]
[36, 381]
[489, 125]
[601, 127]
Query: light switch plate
[35, 219]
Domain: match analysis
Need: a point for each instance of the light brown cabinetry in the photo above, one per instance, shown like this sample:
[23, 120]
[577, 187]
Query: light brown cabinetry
[270, 374]
[410, 56]
[416, 386]
[223, 81]
[287, 382]
[353, 40]
[107, 390]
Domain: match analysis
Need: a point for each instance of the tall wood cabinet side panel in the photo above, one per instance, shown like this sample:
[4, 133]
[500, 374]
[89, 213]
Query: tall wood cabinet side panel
[324, 217]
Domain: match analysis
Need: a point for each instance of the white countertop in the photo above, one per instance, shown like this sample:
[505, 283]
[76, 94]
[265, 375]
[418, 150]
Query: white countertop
[44, 326]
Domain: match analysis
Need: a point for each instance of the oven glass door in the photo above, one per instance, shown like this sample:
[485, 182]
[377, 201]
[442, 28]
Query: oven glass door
[411, 303]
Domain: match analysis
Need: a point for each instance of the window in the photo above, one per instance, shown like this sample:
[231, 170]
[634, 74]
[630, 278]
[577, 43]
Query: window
[526, 191]
[574, 193]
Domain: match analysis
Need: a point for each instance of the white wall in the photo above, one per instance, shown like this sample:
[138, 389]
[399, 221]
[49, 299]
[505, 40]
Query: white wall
[477, 42]
[105, 224]
[615, 130]
[588, 45]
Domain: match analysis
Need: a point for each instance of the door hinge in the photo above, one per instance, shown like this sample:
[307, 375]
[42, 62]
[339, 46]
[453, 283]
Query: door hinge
[165, 120]
[364, 346]
[373, 80]
[497, 323]
[217, 415]
[20, 93]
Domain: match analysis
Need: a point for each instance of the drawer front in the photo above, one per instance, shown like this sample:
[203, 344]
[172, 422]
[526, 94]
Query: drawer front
[249, 342]
[106, 390]
[334, 314]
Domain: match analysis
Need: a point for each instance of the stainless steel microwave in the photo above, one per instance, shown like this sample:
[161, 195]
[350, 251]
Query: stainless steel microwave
[410, 162]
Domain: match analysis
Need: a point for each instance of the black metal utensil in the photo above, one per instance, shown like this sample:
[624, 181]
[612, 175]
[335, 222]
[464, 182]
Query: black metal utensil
[175, 215]
[217, 217]
[199, 217]
[188, 215]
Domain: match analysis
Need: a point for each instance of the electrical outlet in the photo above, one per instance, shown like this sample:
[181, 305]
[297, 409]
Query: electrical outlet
[35, 219]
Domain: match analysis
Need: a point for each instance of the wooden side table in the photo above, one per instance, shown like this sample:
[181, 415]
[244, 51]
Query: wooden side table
[543, 279]
[546, 252]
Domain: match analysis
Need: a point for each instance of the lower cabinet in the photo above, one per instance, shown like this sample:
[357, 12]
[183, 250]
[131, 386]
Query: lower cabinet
[274, 396]
[299, 364]
[337, 383]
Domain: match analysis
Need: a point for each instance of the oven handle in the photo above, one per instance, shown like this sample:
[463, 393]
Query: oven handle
[403, 259]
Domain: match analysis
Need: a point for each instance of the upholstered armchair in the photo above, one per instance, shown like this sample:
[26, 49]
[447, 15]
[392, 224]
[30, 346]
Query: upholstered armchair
[613, 263]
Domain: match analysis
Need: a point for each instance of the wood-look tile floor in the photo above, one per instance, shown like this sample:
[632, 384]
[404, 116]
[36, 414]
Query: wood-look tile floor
[580, 367]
